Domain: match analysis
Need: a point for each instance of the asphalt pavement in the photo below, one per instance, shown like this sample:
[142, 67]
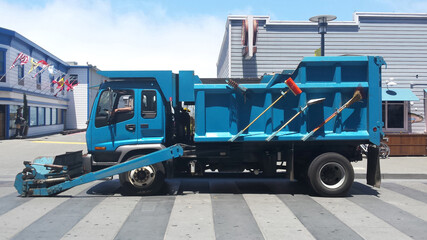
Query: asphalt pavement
[212, 208]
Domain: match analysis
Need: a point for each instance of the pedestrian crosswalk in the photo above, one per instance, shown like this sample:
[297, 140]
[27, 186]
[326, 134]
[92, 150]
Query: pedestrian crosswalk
[219, 209]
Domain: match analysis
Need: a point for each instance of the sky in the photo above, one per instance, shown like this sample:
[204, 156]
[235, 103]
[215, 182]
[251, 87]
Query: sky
[163, 34]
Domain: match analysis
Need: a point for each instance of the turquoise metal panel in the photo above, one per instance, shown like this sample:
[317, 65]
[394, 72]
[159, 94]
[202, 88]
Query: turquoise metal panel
[200, 114]
[187, 79]
[398, 94]
[165, 79]
[375, 121]
[219, 108]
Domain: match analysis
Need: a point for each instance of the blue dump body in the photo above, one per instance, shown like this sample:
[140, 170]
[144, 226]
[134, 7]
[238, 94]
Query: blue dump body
[222, 111]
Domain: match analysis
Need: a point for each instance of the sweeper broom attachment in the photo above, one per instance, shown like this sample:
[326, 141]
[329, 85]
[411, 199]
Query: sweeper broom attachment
[48, 176]
[292, 86]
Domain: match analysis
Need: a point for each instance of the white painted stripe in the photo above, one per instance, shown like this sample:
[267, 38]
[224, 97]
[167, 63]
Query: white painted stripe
[105, 220]
[360, 220]
[9, 178]
[420, 186]
[25, 214]
[274, 218]
[7, 190]
[410, 205]
[191, 217]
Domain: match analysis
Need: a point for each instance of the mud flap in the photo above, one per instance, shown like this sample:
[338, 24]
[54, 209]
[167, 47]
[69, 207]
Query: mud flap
[373, 172]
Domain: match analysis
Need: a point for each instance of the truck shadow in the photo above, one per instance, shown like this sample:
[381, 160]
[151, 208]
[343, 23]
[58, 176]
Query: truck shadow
[184, 186]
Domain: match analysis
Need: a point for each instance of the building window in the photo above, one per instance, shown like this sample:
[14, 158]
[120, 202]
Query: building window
[51, 79]
[74, 79]
[60, 116]
[33, 116]
[39, 81]
[2, 64]
[13, 109]
[148, 104]
[21, 74]
[48, 114]
[395, 116]
[54, 111]
[41, 116]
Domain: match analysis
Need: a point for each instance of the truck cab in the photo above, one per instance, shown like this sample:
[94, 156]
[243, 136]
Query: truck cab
[132, 116]
[126, 114]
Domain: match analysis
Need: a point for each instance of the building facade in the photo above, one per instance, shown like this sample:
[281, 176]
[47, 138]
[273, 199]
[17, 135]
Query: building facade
[50, 110]
[401, 39]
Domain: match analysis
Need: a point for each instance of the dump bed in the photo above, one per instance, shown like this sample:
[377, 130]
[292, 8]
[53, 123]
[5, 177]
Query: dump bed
[222, 111]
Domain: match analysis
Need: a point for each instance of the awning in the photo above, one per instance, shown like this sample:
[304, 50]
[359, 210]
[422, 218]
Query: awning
[398, 94]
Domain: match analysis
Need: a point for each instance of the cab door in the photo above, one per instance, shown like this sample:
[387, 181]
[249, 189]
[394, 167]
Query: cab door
[115, 122]
[151, 120]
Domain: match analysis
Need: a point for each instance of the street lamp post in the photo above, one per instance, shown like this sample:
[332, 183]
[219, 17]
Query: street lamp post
[322, 21]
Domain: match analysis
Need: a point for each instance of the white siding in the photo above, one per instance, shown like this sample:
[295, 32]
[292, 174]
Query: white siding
[44, 130]
[94, 81]
[223, 65]
[76, 115]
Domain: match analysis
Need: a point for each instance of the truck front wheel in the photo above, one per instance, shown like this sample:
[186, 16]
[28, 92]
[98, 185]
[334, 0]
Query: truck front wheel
[147, 180]
[331, 175]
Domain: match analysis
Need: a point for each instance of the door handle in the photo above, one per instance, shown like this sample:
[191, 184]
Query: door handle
[130, 127]
[144, 125]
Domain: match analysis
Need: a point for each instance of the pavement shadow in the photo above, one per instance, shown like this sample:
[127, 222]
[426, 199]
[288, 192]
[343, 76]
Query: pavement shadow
[238, 186]
[109, 187]
[183, 186]
[362, 189]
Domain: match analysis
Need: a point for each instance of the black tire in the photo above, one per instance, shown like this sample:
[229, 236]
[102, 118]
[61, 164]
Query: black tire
[143, 181]
[331, 175]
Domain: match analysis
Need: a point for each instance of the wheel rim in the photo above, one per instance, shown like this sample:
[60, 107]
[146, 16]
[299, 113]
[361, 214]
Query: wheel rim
[142, 177]
[332, 175]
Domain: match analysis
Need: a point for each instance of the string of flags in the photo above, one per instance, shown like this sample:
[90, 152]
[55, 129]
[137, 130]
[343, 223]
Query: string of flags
[62, 82]
[22, 58]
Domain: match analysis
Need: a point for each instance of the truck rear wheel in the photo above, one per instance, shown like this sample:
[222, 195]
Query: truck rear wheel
[147, 180]
[331, 175]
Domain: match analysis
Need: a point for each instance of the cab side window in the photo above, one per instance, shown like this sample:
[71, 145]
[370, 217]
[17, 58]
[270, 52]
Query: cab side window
[149, 104]
[124, 107]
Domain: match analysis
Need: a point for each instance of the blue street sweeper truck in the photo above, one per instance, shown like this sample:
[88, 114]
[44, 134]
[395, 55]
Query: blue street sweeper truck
[305, 124]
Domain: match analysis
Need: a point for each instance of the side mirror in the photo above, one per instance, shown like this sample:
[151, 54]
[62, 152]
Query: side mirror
[110, 117]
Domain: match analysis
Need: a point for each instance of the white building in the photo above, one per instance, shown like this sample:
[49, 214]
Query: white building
[50, 110]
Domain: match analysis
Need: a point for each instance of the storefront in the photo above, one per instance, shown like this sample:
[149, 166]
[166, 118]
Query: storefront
[45, 115]
[397, 121]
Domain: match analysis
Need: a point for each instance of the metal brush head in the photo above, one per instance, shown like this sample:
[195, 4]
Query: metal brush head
[315, 101]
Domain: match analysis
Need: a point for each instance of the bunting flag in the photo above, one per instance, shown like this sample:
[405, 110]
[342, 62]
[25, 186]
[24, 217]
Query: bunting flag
[42, 65]
[60, 83]
[34, 65]
[22, 58]
[51, 70]
[70, 86]
[60, 90]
